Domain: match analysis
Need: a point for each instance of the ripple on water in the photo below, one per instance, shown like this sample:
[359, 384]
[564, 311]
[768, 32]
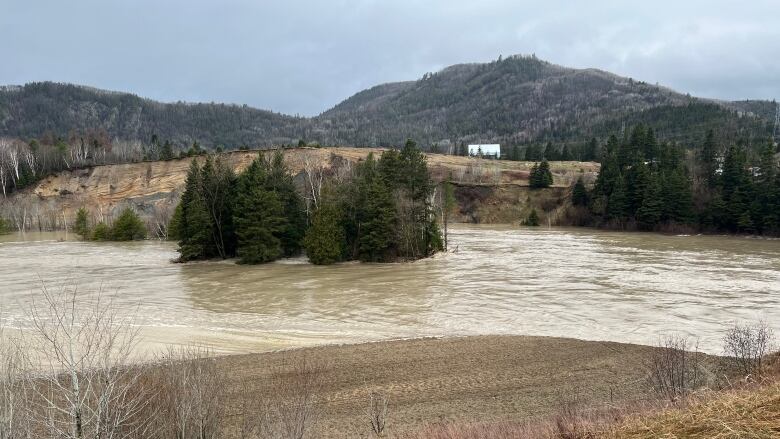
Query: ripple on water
[502, 280]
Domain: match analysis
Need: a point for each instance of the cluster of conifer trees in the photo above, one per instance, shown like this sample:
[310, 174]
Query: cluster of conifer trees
[257, 216]
[654, 186]
[382, 212]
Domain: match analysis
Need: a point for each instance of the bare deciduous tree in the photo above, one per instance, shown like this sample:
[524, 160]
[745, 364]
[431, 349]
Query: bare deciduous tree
[79, 378]
[12, 408]
[315, 174]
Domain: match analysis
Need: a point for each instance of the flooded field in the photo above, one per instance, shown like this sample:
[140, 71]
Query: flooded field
[580, 283]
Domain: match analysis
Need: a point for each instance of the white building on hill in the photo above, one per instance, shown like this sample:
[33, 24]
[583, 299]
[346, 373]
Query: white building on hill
[491, 150]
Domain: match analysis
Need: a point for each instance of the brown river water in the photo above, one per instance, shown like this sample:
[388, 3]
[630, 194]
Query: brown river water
[582, 283]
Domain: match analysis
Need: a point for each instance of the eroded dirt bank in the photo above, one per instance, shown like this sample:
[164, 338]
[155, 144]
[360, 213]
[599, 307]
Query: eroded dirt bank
[488, 191]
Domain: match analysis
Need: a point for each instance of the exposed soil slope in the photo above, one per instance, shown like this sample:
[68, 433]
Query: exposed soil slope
[487, 190]
[484, 378]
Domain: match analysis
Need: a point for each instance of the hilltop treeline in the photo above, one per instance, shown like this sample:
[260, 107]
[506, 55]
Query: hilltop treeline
[379, 212]
[653, 185]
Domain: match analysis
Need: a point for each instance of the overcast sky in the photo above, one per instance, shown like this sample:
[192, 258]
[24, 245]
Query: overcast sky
[303, 57]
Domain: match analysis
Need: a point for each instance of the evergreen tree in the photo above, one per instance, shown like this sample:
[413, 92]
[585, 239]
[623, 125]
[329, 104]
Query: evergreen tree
[128, 227]
[708, 158]
[591, 152]
[217, 189]
[378, 226]
[565, 154]
[166, 152]
[677, 198]
[81, 226]
[101, 232]
[650, 212]
[617, 205]
[174, 225]
[514, 155]
[195, 226]
[533, 219]
[294, 212]
[541, 177]
[579, 195]
[258, 217]
[325, 240]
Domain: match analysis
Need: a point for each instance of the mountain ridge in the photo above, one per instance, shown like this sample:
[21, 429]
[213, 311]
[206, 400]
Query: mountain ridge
[513, 100]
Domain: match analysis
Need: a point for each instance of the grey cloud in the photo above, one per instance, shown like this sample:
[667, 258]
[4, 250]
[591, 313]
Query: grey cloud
[305, 56]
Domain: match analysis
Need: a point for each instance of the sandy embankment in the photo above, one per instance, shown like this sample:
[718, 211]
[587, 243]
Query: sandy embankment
[481, 378]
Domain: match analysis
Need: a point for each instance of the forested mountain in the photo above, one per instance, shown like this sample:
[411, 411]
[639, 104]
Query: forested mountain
[513, 101]
[38, 108]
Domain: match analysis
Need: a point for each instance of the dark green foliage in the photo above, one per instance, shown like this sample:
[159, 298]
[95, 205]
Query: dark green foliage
[540, 177]
[166, 152]
[194, 224]
[294, 227]
[101, 232]
[648, 184]
[651, 210]
[325, 240]
[377, 239]
[384, 210]
[81, 227]
[579, 194]
[175, 225]
[533, 219]
[708, 158]
[128, 227]
[617, 204]
[217, 190]
[4, 226]
[259, 216]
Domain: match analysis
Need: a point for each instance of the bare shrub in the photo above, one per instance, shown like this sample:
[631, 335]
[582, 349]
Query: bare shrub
[569, 423]
[290, 407]
[377, 412]
[747, 346]
[191, 399]
[675, 367]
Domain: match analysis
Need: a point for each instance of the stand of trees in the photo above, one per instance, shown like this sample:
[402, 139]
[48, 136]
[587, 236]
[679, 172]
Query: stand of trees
[257, 216]
[651, 186]
[381, 212]
[127, 227]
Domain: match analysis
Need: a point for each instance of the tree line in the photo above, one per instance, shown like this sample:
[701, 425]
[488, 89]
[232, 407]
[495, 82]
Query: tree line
[651, 185]
[380, 212]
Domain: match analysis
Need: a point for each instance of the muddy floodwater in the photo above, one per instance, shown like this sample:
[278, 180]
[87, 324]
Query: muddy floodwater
[581, 283]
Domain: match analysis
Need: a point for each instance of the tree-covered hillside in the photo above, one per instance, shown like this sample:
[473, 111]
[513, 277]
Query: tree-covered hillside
[512, 101]
[38, 108]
